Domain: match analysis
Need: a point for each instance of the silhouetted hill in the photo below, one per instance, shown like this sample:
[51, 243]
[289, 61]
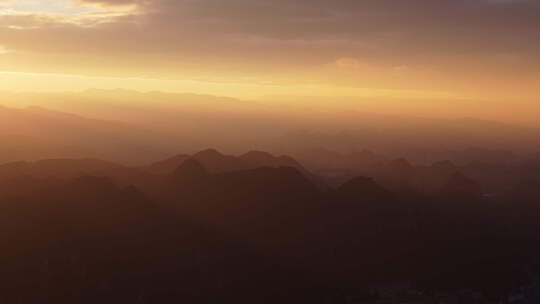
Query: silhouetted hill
[255, 159]
[245, 189]
[445, 166]
[266, 180]
[36, 133]
[72, 233]
[216, 162]
[167, 165]
[527, 191]
[400, 166]
[211, 159]
[363, 188]
[461, 186]
[190, 170]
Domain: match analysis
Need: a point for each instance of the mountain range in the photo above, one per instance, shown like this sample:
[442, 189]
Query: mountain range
[256, 227]
[162, 124]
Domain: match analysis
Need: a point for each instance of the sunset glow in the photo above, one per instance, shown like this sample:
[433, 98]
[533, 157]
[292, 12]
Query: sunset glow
[207, 46]
[269, 151]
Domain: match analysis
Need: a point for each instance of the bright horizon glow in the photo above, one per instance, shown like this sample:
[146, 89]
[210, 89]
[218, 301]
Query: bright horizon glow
[329, 50]
[20, 82]
[316, 96]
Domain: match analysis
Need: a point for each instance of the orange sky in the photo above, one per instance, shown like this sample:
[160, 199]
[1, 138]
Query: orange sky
[482, 51]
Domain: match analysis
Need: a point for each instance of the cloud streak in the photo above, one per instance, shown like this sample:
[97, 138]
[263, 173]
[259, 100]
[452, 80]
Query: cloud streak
[436, 41]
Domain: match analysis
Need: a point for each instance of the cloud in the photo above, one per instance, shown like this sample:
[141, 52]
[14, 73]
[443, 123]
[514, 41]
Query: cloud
[428, 26]
[109, 2]
[277, 37]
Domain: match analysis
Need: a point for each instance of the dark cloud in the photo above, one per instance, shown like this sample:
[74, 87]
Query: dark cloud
[428, 27]
[372, 28]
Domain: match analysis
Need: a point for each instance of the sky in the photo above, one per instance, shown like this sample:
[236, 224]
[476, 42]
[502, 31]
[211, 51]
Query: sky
[483, 51]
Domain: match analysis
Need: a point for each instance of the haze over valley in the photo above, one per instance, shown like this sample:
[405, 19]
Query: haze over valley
[269, 151]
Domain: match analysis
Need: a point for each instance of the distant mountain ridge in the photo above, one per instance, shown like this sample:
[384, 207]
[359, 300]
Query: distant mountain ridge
[36, 133]
[217, 162]
[192, 122]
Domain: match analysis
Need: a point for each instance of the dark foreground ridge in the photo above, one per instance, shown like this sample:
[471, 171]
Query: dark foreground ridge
[212, 228]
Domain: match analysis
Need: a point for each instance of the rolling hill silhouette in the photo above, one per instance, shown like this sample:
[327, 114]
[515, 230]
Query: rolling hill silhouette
[36, 133]
[209, 227]
[217, 162]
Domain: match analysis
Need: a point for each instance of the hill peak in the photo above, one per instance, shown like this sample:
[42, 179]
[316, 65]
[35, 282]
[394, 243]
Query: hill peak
[257, 156]
[190, 169]
[211, 153]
